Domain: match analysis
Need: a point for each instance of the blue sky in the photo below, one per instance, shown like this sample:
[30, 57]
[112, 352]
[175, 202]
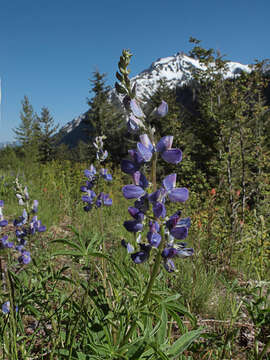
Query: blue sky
[49, 49]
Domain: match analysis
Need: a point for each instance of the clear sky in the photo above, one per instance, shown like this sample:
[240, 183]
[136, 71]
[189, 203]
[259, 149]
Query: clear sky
[50, 48]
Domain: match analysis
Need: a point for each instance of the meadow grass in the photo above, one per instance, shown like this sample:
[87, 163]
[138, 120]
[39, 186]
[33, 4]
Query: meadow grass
[64, 305]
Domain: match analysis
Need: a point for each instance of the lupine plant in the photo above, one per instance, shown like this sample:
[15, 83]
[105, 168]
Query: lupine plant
[149, 210]
[21, 231]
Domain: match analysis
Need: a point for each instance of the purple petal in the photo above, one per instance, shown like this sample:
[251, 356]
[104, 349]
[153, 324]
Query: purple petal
[154, 239]
[129, 167]
[179, 232]
[159, 210]
[162, 110]
[184, 222]
[171, 223]
[133, 226]
[141, 256]
[3, 223]
[169, 265]
[1, 203]
[172, 156]
[132, 192]
[135, 108]
[185, 253]
[178, 195]
[144, 152]
[169, 182]
[165, 143]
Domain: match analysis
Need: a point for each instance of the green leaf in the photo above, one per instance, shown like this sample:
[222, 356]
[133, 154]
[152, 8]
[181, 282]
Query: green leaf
[161, 334]
[183, 342]
[135, 349]
[72, 244]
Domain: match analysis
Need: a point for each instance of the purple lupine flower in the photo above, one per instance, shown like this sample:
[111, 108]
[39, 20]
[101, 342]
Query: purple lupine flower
[3, 222]
[6, 244]
[169, 265]
[153, 235]
[133, 191]
[128, 246]
[133, 106]
[103, 199]
[20, 198]
[133, 165]
[173, 251]
[134, 225]
[180, 229]
[6, 307]
[142, 255]
[22, 219]
[35, 206]
[26, 194]
[164, 147]
[89, 197]
[174, 194]
[134, 124]
[157, 200]
[25, 257]
[90, 173]
[35, 225]
[88, 186]
[104, 173]
[161, 111]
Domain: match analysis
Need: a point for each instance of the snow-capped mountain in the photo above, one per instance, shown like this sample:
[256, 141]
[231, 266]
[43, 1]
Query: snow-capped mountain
[176, 70]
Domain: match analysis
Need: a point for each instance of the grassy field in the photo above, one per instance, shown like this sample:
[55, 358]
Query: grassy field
[81, 293]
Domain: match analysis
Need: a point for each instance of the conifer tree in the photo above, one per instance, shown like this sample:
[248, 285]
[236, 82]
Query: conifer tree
[46, 130]
[104, 119]
[26, 132]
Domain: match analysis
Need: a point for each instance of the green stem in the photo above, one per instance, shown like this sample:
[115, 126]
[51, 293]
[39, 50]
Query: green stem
[148, 289]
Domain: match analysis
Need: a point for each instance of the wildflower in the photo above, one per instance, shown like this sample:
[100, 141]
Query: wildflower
[173, 251]
[213, 192]
[6, 307]
[128, 246]
[161, 111]
[35, 225]
[4, 243]
[164, 147]
[103, 199]
[3, 222]
[25, 257]
[153, 235]
[104, 173]
[138, 190]
[22, 219]
[35, 206]
[142, 255]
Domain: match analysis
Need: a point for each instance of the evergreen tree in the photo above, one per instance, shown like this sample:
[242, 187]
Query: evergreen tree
[104, 119]
[46, 130]
[26, 132]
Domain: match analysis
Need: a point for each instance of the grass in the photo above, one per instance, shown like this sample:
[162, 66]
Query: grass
[64, 307]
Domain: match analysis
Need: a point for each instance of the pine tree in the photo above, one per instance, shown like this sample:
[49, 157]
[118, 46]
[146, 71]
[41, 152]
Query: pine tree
[46, 130]
[26, 132]
[104, 119]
